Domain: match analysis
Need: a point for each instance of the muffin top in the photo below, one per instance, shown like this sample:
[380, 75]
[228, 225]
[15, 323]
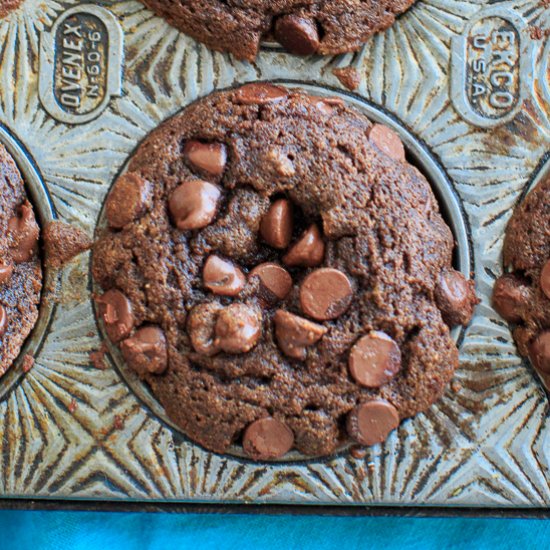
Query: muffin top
[20, 267]
[302, 27]
[522, 295]
[279, 274]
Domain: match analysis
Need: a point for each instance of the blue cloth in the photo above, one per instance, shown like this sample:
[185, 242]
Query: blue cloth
[111, 531]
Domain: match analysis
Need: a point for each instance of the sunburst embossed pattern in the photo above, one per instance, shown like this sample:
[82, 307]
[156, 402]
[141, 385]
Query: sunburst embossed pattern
[72, 430]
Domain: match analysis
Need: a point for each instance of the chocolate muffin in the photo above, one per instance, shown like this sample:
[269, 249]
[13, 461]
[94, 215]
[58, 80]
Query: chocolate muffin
[7, 6]
[522, 295]
[280, 275]
[20, 267]
[301, 27]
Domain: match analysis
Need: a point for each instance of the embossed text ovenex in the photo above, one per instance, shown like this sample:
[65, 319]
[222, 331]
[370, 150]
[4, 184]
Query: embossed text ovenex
[467, 85]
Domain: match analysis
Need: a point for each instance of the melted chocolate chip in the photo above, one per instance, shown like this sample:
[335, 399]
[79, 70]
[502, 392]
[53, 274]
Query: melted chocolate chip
[371, 422]
[539, 352]
[201, 325]
[275, 281]
[545, 279]
[267, 438]
[3, 320]
[128, 200]
[325, 294]
[511, 296]
[374, 360]
[209, 157]
[276, 225]
[326, 104]
[193, 204]
[238, 328]
[308, 251]
[222, 277]
[258, 93]
[297, 34]
[24, 233]
[146, 351]
[387, 141]
[294, 334]
[117, 313]
[455, 298]
[6, 271]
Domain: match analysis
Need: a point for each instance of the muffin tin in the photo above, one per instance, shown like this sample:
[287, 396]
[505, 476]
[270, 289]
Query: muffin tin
[73, 431]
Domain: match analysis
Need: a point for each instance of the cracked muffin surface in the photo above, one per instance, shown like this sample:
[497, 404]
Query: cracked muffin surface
[279, 274]
[302, 27]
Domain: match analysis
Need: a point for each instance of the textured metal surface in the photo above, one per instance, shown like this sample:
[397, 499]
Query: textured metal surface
[72, 431]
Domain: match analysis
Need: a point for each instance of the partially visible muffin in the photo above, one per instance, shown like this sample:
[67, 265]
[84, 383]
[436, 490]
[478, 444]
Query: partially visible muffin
[280, 275]
[7, 6]
[302, 27]
[522, 295]
[20, 266]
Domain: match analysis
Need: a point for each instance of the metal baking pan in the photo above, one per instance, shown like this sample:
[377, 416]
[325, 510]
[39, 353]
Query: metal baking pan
[466, 84]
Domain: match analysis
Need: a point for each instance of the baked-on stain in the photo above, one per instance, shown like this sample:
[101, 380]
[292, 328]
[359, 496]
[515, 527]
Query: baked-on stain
[20, 266]
[349, 77]
[63, 242]
[303, 28]
[355, 208]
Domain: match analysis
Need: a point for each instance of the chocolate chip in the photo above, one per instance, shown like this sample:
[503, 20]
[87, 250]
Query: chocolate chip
[298, 35]
[325, 294]
[275, 281]
[276, 225]
[6, 271]
[308, 251]
[128, 200]
[387, 141]
[455, 297]
[146, 351]
[545, 279]
[539, 352]
[374, 360]
[326, 104]
[3, 320]
[510, 298]
[222, 277]
[238, 328]
[294, 334]
[24, 233]
[371, 422]
[267, 438]
[201, 325]
[210, 157]
[259, 93]
[193, 204]
[117, 313]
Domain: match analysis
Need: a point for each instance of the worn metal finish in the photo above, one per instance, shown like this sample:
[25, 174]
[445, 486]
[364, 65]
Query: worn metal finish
[479, 116]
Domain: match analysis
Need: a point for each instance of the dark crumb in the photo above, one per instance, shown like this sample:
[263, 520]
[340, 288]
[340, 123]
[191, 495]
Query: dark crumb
[73, 405]
[98, 358]
[456, 386]
[348, 76]
[28, 363]
[62, 242]
[118, 423]
[358, 452]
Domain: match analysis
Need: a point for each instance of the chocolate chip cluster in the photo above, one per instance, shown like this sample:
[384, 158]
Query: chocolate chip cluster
[22, 236]
[296, 297]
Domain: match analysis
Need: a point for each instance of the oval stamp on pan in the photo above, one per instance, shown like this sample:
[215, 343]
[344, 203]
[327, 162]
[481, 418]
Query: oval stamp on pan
[80, 64]
[492, 66]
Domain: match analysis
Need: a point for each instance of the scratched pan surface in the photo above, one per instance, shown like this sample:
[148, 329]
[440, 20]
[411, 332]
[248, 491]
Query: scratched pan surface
[467, 83]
